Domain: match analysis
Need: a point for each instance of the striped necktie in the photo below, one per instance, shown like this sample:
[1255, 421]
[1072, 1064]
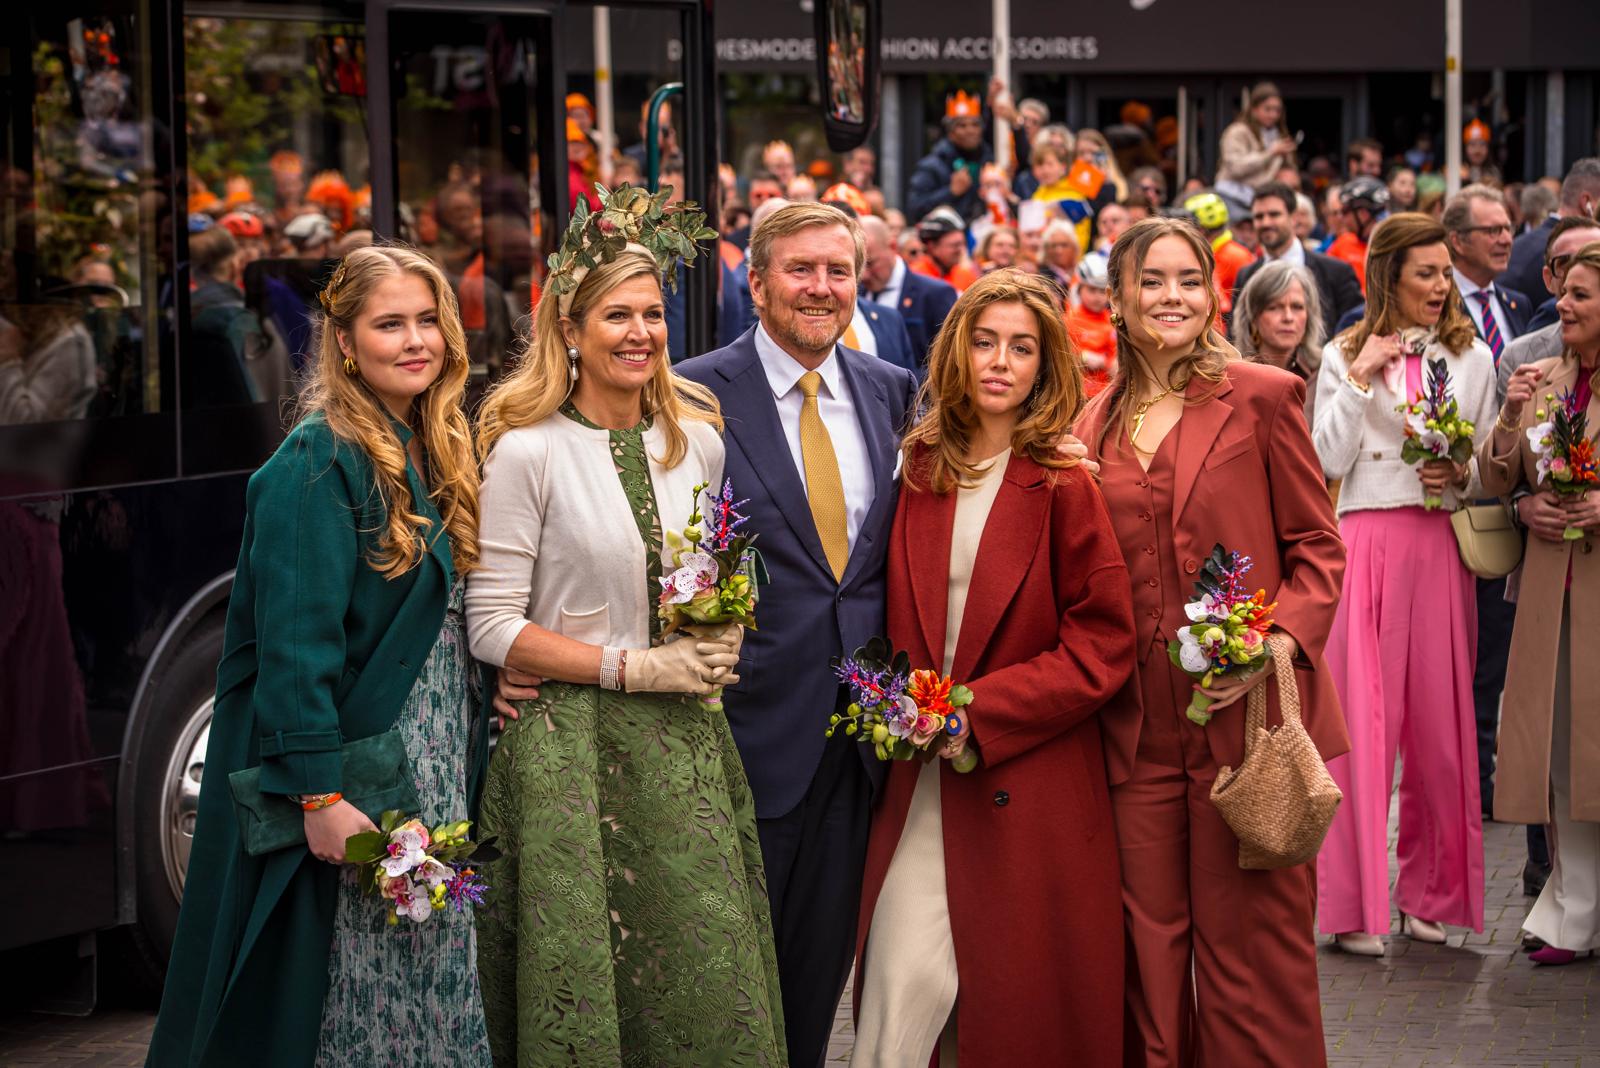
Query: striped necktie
[1491, 328]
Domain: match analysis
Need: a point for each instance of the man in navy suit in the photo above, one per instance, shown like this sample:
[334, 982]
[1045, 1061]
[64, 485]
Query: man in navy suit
[922, 302]
[1478, 232]
[826, 596]
[1580, 196]
[878, 330]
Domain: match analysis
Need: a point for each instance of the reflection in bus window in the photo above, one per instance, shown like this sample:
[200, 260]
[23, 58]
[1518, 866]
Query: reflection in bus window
[278, 184]
[78, 219]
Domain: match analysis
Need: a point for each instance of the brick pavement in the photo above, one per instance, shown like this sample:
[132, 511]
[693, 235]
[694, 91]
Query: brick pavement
[1474, 1001]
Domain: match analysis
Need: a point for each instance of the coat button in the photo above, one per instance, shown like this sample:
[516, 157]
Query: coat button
[1002, 798]
[1155, 613]
[1190, 567]
[1149, 550]
[1152, 583]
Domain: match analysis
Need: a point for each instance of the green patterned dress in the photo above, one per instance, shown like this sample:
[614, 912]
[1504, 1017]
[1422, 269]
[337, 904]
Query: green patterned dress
[409, 994]
[627, 922]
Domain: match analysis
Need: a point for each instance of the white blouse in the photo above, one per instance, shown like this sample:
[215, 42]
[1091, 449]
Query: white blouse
[557, 541]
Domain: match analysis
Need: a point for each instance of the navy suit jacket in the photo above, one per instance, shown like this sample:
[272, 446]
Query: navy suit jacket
[924, 303]
[1524, 272]
[779, 709]
[894, 343]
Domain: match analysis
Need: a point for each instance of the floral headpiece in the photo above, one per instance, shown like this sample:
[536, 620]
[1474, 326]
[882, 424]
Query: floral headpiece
[627, 216]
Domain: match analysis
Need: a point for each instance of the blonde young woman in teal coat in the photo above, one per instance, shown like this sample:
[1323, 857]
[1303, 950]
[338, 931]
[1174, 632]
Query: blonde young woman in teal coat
[344, 622]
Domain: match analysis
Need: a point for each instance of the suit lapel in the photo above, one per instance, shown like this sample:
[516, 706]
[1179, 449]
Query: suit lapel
[751, 417]
[1004, 550]
[1197, 433]
[927, 525]
[871, 406]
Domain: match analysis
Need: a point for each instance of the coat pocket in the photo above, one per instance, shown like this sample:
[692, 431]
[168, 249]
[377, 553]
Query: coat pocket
[1231, 450]
[591, 625]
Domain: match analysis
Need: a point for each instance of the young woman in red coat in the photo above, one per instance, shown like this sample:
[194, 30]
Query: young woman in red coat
[1196, 448]
[990, 914]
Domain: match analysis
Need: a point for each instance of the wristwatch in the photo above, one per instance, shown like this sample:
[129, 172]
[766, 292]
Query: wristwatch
[1516, 513]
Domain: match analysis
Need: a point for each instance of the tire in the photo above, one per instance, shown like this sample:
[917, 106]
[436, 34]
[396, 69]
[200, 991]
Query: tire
[166, 793]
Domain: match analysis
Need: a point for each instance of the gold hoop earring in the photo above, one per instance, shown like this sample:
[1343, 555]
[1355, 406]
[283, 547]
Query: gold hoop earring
[349, 366]
[1116, 317]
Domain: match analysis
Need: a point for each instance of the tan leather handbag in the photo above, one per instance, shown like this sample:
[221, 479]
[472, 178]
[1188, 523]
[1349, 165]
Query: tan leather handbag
[1490, 543]
[1280, 800]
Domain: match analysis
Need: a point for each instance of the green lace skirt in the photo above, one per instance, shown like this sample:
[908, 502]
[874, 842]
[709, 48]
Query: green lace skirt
[627, 922]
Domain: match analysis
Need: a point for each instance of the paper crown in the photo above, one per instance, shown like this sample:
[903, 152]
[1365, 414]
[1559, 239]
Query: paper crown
[627, 217]
[962, 106]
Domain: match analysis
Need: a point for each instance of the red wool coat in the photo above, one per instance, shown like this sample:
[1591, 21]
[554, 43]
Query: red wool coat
[1030, 850]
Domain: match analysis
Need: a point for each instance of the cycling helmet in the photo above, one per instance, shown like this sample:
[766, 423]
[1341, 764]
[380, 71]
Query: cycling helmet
[1094, 270]
[1208, 209]
[1365, 192]
[940, 221]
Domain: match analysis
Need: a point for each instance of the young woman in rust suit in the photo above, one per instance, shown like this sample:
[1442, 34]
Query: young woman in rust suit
[989, 915]
[1197, 448]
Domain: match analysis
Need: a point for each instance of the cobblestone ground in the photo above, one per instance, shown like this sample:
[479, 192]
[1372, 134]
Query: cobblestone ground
[1475, 1000]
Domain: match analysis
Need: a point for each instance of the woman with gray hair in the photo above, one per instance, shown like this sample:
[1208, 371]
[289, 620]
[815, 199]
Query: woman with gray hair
[1278, 320]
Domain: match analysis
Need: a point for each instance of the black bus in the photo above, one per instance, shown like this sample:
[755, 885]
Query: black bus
[138, 391]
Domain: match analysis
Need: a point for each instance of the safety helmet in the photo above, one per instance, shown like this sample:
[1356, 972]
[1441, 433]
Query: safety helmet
[1095, 270]
[1208, 209]
[1365, 192]
[845, 193]
[1476, 130]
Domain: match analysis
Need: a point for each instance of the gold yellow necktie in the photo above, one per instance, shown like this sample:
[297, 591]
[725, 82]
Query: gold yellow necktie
[824, 487]
[851, 339]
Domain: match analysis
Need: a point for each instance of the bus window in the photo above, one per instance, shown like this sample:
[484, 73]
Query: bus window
[277, 190]
[471, 189]
[82, 222]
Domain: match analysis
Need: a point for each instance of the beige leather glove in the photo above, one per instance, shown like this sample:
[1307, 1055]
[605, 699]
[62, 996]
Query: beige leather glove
[684, 666]
[728, 635]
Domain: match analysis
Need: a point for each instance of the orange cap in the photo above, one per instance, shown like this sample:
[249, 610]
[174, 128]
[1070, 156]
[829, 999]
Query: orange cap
[848, 194]
[1136, 113]
[962, 106]
[578, 100]
[1477, 130]
[238, 190]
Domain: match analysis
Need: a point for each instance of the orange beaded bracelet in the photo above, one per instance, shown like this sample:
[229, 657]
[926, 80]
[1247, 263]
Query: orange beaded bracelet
[317, 802]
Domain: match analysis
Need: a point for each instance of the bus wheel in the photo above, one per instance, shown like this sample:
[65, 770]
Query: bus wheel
[172, 758]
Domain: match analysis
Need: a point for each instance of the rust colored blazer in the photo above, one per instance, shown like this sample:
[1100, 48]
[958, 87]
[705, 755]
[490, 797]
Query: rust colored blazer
[1030, 851]
[1247, 477]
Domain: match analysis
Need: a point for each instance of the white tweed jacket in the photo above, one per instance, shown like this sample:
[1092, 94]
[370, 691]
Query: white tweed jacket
[1358, 435]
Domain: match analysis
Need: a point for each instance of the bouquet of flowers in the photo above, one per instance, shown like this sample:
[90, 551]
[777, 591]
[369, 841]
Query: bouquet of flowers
[420, 871]
[1435, 429]
[1228, 631]
[711, 572]
[900, 711]
[1566, 453]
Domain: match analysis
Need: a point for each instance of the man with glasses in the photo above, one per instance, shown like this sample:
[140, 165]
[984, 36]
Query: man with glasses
[1579, 198]
[1478, 233]
[1151, 184]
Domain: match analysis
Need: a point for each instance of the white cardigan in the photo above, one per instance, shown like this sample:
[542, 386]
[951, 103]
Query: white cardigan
[557, 541]
[1358, 436]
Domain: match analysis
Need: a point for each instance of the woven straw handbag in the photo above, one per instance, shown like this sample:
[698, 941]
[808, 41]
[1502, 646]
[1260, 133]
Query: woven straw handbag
[1280, 800]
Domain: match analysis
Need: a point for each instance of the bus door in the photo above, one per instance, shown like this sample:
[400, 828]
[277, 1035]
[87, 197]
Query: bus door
[467, 155]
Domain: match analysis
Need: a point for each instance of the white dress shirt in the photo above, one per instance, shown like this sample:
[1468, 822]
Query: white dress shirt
[1293, 252]
[1468, 288]
[866, 340]
[838, 415]
[890, 293]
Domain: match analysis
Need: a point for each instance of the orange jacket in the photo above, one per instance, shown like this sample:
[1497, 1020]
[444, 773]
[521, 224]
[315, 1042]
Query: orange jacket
[961, 275]
[1093, 334]
[1232, 258]
[1352, 250]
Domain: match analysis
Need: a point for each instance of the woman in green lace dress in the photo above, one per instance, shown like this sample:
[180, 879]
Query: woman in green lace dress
[627, 922]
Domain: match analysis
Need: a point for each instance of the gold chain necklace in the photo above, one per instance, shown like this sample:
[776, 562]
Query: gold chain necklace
[1141, 410]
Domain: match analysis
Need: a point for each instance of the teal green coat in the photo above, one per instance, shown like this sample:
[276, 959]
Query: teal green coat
[319, 649]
